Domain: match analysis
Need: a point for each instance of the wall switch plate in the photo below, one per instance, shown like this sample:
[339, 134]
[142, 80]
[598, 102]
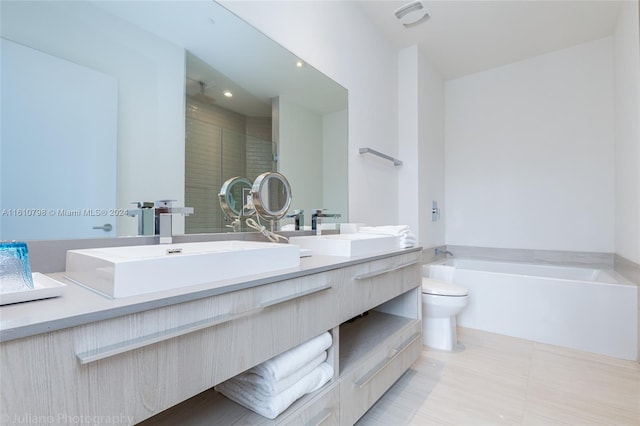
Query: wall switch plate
[435, 212]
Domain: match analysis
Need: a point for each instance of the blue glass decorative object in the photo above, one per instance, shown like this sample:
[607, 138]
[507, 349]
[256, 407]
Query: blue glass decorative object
[15, 271]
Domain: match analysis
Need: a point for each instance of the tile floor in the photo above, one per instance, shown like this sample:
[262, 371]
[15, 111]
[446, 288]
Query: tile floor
[501, 380]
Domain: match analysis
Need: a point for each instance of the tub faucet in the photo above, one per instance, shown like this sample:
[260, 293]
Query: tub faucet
[441, 251]
[316, 219]
[298, 216]
[163, 213]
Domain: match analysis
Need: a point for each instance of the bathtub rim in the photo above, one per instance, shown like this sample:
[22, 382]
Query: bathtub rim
[615, 278]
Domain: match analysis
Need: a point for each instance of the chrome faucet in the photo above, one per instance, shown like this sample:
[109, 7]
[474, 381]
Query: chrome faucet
[316, 219]
[439, 251]
[145, 217]
[163, 214]
[298, 216]
[236, 224]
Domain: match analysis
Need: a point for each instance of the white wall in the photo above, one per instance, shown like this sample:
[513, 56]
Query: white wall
[529, 153]
[341, 42]
[627, 128]
[431, 153]
[421, 145]
[409, 118]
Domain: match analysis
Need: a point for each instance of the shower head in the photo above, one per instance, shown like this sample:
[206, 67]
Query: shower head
[201, 97]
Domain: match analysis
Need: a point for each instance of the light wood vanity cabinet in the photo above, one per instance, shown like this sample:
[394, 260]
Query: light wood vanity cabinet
[370, 284]
[375, 351]
[140, 365]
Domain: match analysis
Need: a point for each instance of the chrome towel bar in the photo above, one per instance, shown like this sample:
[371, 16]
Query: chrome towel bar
[396, 162]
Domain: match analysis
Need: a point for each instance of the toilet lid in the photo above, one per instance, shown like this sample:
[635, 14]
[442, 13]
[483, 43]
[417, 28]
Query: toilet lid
[431, 286]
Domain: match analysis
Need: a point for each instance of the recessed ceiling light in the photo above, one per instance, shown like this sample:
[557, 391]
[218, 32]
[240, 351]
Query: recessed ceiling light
[228, 94]
[299, 63]
[412, 14]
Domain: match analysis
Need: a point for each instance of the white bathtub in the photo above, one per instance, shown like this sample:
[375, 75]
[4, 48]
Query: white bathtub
[581, 308]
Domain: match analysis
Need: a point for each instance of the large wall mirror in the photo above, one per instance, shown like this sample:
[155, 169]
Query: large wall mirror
[105, 104]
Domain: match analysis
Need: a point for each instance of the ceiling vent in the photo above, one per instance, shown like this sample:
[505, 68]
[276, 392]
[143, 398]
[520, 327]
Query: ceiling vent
[412, 14]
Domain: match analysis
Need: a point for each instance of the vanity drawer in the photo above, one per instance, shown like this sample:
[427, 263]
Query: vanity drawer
[162, 357]
[363, 385]
[253, 310]
[322, 410]
[370, 284]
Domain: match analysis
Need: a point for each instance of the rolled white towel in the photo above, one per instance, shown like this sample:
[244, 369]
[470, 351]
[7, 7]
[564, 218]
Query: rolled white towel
[292, 360]
[272, 406]
[269, 387]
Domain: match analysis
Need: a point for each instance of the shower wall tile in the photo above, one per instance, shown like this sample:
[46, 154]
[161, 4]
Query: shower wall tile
[259, 147]
[211, 132]
[220, 144]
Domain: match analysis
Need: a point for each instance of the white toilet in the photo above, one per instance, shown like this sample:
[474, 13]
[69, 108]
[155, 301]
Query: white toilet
[441, 302]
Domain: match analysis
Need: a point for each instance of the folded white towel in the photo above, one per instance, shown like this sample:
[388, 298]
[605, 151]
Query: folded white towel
[272, 406]
[406, 243]
[292, 360]
[269, 387]
[406, 238]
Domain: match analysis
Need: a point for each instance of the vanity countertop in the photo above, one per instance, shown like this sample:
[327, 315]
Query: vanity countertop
[79, 305]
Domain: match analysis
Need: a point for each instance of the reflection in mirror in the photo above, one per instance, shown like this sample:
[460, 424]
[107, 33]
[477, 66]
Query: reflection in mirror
[271, 194]
[219, 144]
[164, 65]
[233, 201]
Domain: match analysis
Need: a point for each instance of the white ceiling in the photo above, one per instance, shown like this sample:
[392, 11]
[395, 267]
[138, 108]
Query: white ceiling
[465, 37]
[224, 52]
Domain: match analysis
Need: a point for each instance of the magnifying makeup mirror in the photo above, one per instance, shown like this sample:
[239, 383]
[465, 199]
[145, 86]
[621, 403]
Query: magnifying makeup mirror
[233, 200]
[271, 194]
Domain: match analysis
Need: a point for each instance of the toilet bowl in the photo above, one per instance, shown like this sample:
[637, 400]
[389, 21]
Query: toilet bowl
[441, 302]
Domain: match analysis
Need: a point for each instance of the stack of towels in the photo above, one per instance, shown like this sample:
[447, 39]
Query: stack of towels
[271, 387]
[406, 238]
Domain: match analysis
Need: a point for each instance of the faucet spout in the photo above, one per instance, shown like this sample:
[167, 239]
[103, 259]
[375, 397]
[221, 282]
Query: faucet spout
[144, 213]
[298, 217]
[164, 223]
[316, 219]
[439, 251]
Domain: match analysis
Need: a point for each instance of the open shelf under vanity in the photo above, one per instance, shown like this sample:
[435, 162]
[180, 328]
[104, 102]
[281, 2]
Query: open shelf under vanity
[369, 352]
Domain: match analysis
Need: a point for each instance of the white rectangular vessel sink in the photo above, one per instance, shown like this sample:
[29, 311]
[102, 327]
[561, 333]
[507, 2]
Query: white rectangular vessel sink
[349, 245]
[133, 270]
